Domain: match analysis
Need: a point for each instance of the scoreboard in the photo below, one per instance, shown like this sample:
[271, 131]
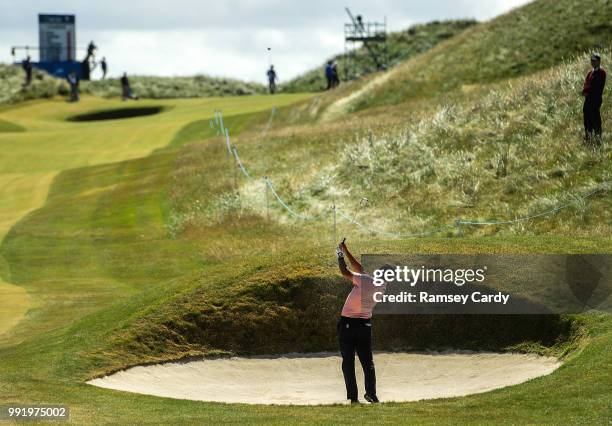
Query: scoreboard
[57, 37]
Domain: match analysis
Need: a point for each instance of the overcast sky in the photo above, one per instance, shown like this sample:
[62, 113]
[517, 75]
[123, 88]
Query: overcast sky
[224, 37]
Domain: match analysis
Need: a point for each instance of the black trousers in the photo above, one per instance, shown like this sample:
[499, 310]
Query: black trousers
[356, 336]
[592, 117]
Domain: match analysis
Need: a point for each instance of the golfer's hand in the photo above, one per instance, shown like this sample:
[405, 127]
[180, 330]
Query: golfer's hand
[339, 253]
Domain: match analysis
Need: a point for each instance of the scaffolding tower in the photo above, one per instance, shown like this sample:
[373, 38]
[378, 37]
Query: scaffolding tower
[372, 36]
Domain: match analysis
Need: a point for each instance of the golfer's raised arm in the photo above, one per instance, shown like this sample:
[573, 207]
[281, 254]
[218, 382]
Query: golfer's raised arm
[354, 262]
[342, 265]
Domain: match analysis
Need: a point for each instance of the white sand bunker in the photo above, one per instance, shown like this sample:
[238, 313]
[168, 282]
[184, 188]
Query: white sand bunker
[317, 379]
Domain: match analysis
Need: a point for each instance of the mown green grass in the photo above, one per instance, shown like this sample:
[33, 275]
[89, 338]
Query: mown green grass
[51, 144]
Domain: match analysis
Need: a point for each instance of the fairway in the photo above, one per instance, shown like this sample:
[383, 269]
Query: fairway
[50, 144]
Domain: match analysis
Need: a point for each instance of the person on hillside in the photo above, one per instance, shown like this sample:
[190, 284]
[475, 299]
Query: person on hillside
[592, 91]
[27, 67]
[126, 89]
[329, 74]
[355, 327]
[73, 81]
[104, 67]
[272, 78]
[335, 76]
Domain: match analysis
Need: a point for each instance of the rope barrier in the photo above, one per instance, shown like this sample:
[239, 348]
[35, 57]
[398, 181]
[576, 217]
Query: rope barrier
[388, 233]
[525, 218]
[244, 170]
[282, 203]
[265, 130]
[459, 222]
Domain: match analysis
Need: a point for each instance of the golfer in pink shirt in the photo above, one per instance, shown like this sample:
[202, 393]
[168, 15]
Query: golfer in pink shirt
[355, 327]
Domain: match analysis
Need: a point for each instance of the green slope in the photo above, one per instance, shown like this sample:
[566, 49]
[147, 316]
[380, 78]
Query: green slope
[401, 46]
[534, 37]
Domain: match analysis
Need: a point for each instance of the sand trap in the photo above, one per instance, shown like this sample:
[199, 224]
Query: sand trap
[317, 379]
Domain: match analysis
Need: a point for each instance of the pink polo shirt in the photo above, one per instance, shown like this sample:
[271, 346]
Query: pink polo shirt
[360, 301]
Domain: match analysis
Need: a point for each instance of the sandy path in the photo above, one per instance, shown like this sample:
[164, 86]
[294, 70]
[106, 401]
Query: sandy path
[317, 379]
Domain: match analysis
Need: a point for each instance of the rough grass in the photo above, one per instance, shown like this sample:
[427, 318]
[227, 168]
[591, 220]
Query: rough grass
[198, 86]
[515, 151]
[12, 87]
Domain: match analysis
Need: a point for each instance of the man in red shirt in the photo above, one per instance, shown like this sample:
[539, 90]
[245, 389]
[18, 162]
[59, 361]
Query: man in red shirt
[593, 96]
[355, 326]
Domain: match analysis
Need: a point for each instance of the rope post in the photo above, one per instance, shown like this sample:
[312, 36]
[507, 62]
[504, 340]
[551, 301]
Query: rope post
[235, 167]
[458, 226]
[225, 135]
[335, 235]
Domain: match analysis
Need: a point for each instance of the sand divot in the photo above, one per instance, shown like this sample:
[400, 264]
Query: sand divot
[317, 379]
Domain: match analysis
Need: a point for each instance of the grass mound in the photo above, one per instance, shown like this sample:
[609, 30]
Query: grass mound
[118, 114]
[291, 308]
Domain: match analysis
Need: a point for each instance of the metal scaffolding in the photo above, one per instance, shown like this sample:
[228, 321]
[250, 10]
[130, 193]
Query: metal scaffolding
[372, 36]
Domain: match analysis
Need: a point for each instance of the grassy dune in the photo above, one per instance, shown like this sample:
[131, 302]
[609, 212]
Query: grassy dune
[534, 37]
[143, 243]
[401, 46]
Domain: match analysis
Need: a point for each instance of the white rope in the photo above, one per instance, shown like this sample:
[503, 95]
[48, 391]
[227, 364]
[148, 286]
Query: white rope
[244, 170]
[282, 203]
[525, 218]
[265, 130]
[388, 233]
